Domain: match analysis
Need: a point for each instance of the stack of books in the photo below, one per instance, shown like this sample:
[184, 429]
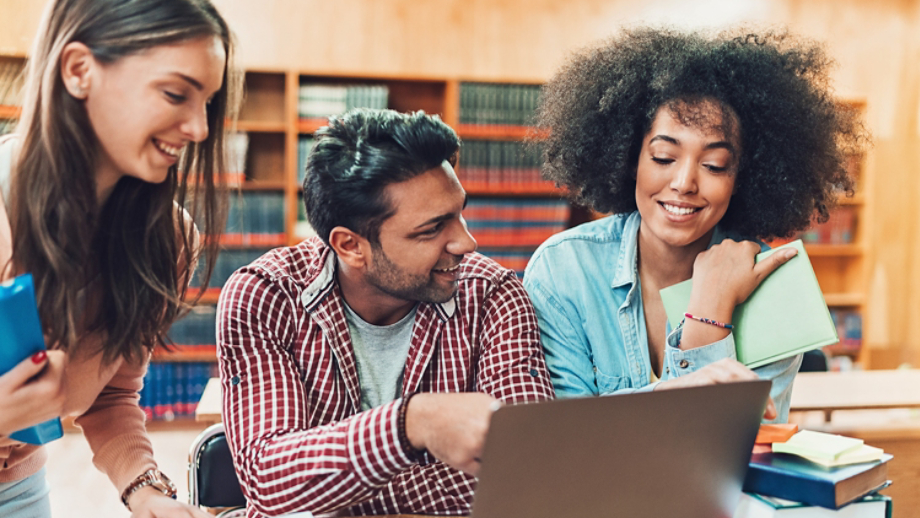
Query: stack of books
[814, 474]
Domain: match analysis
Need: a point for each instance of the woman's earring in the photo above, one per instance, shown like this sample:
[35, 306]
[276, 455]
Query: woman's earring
[76, 90]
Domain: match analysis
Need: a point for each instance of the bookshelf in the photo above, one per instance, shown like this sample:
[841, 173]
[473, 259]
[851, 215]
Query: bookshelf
[272, 119]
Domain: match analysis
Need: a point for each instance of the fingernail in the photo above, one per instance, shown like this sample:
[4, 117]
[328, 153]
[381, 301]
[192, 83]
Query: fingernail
[790, 252]
[39, 357]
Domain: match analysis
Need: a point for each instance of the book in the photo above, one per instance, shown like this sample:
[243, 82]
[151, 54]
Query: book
[778, 432]
[825, 446]
[794, 478]
[20, 337]
[786, 315]
[753, 505]
[864, 453]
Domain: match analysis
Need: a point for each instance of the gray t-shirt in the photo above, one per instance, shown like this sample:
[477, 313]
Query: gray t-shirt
[380, 352]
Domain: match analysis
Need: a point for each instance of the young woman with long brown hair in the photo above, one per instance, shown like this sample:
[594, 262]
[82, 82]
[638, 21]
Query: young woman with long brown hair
[125, 108]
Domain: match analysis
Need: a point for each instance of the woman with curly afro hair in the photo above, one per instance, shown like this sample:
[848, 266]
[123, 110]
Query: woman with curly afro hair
[701, 147]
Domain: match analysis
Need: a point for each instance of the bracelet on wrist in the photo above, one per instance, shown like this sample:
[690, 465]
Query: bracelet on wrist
[408, 449]
[153, 478]
[708, 321]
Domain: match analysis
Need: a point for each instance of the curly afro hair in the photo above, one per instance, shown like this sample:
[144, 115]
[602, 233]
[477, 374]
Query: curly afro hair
[795, 136]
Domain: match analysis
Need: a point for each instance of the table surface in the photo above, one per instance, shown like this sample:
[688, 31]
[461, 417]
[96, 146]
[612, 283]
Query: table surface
[811, 391]
[856, 390]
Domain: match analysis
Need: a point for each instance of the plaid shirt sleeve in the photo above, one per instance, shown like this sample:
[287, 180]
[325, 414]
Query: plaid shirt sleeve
[283, 465]
[511, 368]
[511, 363]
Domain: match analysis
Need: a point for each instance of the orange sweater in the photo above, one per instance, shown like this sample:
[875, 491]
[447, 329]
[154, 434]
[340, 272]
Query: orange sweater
[104, 397]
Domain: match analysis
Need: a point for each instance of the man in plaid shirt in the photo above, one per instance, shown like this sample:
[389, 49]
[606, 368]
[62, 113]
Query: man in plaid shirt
[360, 368]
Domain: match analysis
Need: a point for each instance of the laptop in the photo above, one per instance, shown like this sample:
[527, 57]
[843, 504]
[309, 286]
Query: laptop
[680, 453]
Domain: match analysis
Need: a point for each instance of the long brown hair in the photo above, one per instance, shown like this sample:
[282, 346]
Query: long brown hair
[135, 253]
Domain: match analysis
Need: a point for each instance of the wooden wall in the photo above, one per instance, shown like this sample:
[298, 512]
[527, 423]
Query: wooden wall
[877, 44]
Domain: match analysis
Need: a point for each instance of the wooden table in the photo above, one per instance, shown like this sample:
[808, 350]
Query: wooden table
[856, 390]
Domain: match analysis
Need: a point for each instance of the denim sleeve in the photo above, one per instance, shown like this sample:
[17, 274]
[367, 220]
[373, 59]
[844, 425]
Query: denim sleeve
[565, 346]
[680, 363]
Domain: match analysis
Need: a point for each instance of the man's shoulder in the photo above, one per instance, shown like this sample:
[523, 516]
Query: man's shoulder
[476, 266]
[299, 265]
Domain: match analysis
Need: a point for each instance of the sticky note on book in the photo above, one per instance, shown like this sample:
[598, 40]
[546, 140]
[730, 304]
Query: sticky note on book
[786, 315]
[818, 445]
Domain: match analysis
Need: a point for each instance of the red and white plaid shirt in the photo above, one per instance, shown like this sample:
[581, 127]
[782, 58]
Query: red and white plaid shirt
[292, 397]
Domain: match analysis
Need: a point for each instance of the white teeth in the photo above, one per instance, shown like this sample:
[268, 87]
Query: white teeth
[447, 269]
[166, 148]
[681, 211]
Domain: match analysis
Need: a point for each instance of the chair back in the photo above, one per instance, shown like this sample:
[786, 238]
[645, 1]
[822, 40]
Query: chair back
[212, 480]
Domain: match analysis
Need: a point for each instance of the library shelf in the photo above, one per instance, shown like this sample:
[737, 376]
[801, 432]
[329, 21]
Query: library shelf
[309, 126]
[185, 356]
[10, 112]
[504, 191]
[255, 126]
[210, 296]
[498, 132]
[842, 300]
[817, 250]
[259, 185]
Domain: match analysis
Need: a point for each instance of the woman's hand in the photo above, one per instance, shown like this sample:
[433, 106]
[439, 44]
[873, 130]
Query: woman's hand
[148, 502]
[723, 277]
[31, 393]
[725, 370]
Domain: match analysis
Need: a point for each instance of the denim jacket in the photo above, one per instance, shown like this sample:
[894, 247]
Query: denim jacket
[584, 284]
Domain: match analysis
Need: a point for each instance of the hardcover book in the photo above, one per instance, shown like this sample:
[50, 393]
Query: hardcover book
[786, 315]
[794, 478]
[759, 506]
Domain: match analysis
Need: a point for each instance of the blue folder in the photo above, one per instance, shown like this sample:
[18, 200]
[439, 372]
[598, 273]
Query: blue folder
[21, 337]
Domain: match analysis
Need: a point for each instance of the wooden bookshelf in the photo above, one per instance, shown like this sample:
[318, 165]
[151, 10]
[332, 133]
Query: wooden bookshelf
[10, 112]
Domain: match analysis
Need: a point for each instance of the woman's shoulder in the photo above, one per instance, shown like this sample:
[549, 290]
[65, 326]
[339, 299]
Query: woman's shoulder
[593, 237]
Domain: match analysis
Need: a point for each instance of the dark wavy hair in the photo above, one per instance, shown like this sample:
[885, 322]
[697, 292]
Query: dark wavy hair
[795, 136]
[358, 154]
[136, 252]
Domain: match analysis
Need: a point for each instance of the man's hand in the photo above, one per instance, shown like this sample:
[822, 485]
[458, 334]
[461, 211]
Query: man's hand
[725, 370]
[451, 426]
[148, 502]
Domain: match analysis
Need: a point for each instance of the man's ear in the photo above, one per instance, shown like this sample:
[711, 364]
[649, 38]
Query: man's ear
[349, 247]
[77, 65]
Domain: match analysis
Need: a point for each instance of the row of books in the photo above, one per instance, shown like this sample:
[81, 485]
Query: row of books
[228, 261]
[517, 222]
[304, 145]
[849, 330]
[172, 390]
[11, 82]
[196, 331]
[500, 165]
[255, 219]
[839, 229]
[795, 473]
[498, 104]
[324, 100]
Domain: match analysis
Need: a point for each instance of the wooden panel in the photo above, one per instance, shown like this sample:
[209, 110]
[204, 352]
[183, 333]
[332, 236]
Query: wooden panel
[265, 158]
[264, 100]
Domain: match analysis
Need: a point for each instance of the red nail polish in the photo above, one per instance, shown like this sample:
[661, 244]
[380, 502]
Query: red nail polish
[39, 357]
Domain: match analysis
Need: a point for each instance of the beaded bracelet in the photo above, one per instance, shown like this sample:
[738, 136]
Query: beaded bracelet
[709, 321]
[407, 447]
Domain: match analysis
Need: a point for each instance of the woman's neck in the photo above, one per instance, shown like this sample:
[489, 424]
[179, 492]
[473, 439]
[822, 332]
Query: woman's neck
[664, 265]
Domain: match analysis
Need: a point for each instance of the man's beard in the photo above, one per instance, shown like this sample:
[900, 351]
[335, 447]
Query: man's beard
[395, 282]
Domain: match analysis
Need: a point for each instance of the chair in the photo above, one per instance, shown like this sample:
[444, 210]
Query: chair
[212, 480]
[814, 361]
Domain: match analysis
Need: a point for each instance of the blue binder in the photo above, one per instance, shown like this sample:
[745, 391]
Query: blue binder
[21, 337]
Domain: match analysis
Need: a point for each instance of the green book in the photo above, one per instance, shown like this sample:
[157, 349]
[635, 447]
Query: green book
[786, 315]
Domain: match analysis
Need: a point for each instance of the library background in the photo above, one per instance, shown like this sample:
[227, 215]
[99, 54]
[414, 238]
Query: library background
[479, 64]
